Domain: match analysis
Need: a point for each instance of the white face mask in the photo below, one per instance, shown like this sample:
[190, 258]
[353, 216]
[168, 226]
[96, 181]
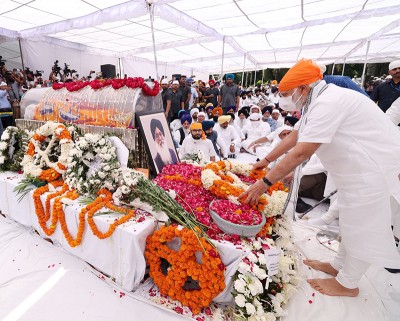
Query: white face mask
[255, 123]
[286, 103]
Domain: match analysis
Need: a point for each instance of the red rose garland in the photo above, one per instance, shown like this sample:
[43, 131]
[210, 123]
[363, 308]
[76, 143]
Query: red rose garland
[137, 82]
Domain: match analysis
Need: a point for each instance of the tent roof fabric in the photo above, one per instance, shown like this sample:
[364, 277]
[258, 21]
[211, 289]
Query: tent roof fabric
[254, 33]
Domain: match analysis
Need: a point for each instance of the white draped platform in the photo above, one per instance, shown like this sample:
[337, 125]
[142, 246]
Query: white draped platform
[41, 281]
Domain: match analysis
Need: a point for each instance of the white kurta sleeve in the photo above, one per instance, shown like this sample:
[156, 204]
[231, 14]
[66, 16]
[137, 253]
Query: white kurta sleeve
[185, 147]
[235, 137]
[224, 149]
[394, 112]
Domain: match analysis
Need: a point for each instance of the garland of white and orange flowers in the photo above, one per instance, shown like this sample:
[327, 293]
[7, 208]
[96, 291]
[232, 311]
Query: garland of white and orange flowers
[36, 159]
[9, 159]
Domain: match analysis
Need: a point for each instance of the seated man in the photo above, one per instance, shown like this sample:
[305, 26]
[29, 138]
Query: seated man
[229, 135]
[184, 131]
[196, 142]
[253, 131]
[201, 117]
[219, 145]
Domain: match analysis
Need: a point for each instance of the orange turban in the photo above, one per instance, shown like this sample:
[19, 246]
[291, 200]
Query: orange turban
[305, 72]
[197, 126]
[219, 110]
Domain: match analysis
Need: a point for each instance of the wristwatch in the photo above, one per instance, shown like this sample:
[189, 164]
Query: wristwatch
[266, 181]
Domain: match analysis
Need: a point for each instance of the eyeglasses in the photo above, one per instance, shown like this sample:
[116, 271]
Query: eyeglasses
[158, 135]
[197, 130]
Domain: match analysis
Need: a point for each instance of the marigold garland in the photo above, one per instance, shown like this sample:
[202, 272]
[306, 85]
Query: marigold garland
[58, 215]
[209, 274]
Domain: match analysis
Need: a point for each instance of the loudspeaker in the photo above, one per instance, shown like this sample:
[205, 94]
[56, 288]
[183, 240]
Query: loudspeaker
[108, 71]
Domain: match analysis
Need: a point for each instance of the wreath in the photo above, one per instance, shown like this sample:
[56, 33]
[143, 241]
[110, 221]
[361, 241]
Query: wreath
[178, 274]
[48, 149]
[13, 146]
[92, 165]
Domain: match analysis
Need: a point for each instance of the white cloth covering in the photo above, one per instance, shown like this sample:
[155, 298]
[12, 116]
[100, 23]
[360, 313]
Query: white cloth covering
[362, 157]
[192, 146]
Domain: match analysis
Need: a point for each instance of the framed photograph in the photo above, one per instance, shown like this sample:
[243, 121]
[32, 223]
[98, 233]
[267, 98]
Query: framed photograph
[157, 138]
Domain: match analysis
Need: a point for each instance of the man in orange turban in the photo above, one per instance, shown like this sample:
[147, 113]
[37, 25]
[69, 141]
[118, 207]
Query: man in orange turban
[196, 143]
[362, 159]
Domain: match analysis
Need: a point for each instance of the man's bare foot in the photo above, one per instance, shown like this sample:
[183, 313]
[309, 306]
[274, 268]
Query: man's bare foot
[321, 266]
[332, 287]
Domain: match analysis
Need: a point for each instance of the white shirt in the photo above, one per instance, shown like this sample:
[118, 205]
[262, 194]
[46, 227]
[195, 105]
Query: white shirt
[254, 133]
[229, 135]
[177, 135]
[175, 125]
[194, 95]
[193, 146]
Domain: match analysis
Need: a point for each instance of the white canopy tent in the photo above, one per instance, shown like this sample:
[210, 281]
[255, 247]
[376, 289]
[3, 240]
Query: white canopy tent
[200, 37]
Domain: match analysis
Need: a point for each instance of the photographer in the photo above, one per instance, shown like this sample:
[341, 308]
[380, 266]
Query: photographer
[5, 107]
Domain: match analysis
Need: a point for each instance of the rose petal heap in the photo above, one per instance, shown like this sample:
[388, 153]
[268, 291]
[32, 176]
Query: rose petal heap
[237, 214]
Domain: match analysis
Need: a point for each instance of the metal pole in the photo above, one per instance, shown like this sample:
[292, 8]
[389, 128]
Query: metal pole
[223, 54]
[344, 64]
[255, 76]
[333, 68]
[365, 65]
[244, 64]
[151, 7]
[262, 77]
[22, 60]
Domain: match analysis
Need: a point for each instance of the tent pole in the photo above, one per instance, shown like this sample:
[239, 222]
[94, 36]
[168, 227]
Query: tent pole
[333, 68]
[344, 64]
[262, 77]
[255, 76]
[223, 54]
[151, 7]
[22, 59]
[244, 64]
[365, 65]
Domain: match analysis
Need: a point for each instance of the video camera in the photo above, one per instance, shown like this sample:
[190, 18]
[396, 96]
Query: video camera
[38, 73]
[68, 71]
[2, 61]
[90, 74]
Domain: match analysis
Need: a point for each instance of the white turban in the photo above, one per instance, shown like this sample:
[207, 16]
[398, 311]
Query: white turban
[194, 110]
[280, 129]
[201, 114]
[394, 64]
[276, 111]
[255, 116]
[255, 106]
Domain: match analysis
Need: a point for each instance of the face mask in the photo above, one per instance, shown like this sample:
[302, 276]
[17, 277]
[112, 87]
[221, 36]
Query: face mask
[286, 103]
[255, 123]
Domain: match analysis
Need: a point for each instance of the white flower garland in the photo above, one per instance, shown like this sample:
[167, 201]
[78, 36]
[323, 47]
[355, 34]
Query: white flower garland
[92, 165]
[53, 134]
[9, 158]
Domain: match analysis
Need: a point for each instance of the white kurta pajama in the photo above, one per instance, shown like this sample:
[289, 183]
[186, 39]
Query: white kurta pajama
[360, 148]
[253, 133]
[229, 136]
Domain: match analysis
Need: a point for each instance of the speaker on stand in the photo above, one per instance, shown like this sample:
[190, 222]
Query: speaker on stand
[108, 71]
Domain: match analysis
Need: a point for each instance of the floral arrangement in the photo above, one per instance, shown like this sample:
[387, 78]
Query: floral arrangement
[237, 214]
[13, 146]
[195, 159]
[92, 165]
[136, 82]
[65, 196]
[136, 190]
[178, 273]
[47, 154]
[221, 180]
[258, 295]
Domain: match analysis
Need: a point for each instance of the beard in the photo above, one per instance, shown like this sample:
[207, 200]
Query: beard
[196, 137]
[164, 153]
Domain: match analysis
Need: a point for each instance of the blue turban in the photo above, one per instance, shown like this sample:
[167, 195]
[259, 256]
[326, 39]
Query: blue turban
[230, 108]
[209, 107]
[207, 124]
[230, 76]
[181, 113]
[186, 117]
